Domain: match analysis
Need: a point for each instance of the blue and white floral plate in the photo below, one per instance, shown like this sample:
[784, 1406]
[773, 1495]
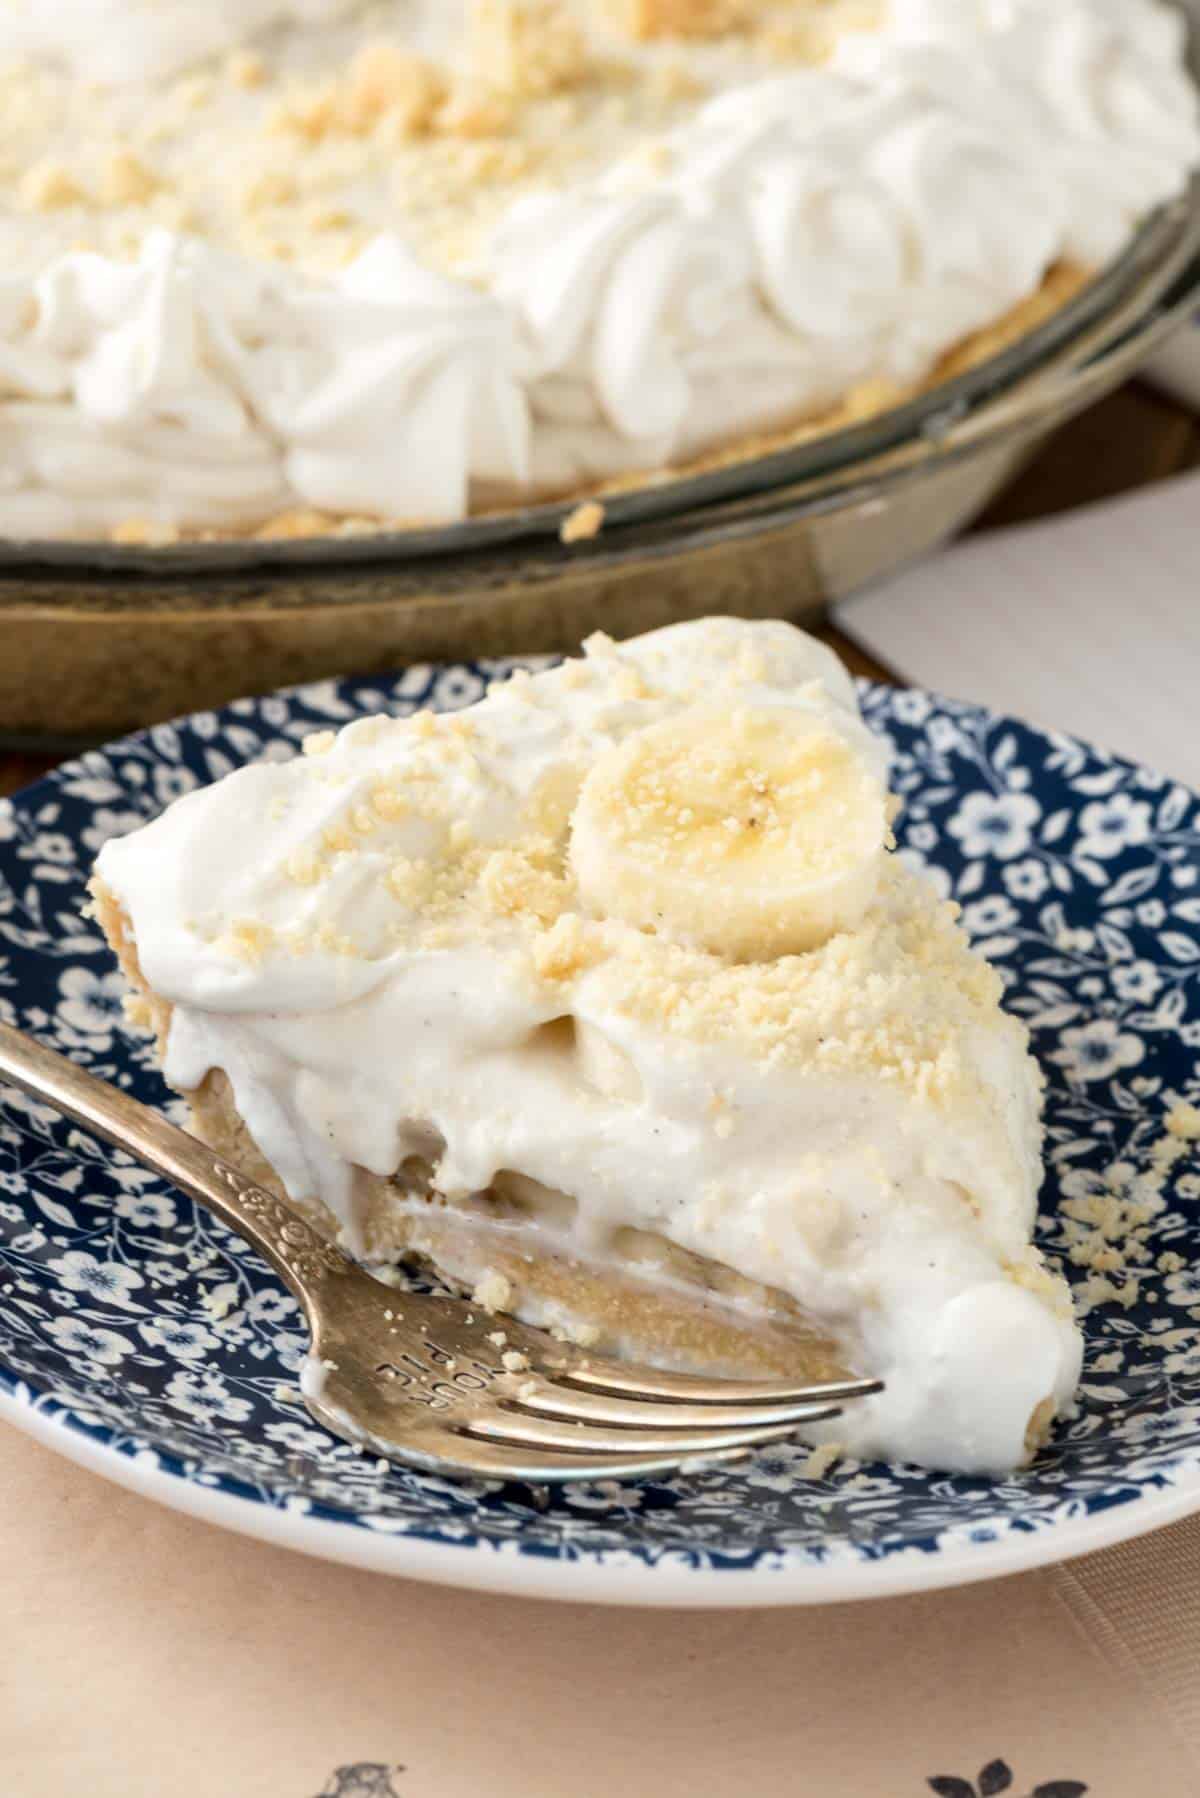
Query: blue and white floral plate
[144, 1341]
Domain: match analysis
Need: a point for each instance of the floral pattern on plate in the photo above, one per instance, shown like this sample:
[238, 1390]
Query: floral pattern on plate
[129, 1317]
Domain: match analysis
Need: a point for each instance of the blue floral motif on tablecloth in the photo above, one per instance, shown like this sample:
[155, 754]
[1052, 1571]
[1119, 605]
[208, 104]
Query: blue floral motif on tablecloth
[130, 1317]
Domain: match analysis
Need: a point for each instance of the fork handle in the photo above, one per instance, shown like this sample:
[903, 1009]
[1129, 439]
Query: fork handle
[294, 1249]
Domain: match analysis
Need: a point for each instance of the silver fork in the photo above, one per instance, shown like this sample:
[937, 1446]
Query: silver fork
[440, 1383]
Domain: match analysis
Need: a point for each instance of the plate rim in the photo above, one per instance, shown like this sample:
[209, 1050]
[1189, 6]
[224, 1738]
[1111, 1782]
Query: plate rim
[666, 1583]
[614, 1577]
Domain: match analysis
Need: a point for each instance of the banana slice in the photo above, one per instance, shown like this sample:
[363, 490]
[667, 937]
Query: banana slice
[751, 834]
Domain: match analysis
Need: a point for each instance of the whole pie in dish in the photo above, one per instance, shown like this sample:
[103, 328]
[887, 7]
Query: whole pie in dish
[607, 997]
[286, 268]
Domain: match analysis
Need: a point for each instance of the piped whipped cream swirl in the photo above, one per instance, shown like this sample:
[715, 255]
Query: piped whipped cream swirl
[198, 388]
[798, 236]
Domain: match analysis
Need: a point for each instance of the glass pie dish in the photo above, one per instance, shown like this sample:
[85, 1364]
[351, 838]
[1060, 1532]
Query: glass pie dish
[100, 639]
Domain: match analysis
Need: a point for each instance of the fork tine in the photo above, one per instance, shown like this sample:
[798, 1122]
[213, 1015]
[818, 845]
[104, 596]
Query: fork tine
[519, 1427]
[551, 1400]
[649, 1382]
[467, 1454]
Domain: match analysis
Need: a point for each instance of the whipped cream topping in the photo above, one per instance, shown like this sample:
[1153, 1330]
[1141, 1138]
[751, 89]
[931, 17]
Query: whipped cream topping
[796, 237]
[384, 946]
[197, 387]
[119, 41]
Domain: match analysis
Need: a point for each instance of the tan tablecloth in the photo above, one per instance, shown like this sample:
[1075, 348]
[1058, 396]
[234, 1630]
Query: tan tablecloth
[149, 1656]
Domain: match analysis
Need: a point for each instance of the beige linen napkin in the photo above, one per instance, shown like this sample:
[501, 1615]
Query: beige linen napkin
[150, 1656]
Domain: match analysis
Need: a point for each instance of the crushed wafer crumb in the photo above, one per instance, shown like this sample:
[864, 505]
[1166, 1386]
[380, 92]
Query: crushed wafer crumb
[585, 522]
[385, 88]
[49, 185]
[218, 1302]
[299, 523]
[525, 47]
[493, 1292]
[670, 81]
[246, 69]
[144, 533]
[574, 1330]
[386, 79]
[513, 1361]
[138, 1012]
[270, 187]
[1098, 1289]
[645, 19]
[126, 181]
[247, 940]
[819, 1460]
[472, 110]
[193, 92]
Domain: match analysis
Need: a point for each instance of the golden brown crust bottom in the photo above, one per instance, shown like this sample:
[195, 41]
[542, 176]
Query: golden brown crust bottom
[670, 1325]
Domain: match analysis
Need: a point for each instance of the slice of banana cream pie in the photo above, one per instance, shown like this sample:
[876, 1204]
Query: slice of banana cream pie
[606, 997]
